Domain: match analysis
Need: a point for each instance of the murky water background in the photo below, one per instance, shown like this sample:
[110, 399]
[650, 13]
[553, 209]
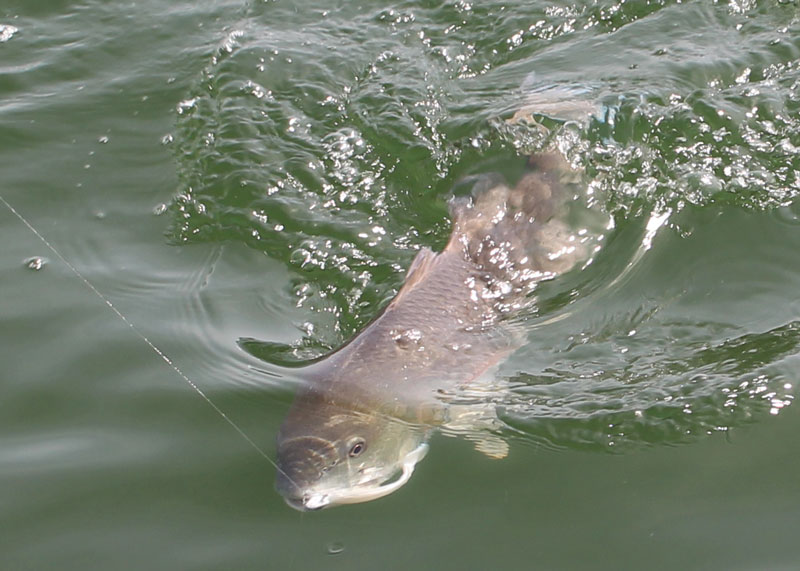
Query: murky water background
[247, 183]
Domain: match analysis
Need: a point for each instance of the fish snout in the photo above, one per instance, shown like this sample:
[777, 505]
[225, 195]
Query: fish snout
[298, 497]
[301, 463]
[303, 504]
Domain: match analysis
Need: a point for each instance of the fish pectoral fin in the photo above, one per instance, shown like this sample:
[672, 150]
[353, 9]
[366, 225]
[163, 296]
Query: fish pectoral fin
[476, 423]
[491, 445]
[487, 443]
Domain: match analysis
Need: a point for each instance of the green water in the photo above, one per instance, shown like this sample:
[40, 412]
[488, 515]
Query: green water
[247, 182]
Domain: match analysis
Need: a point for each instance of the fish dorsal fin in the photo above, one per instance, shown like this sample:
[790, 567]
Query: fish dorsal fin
[419, 268]
[421, 264]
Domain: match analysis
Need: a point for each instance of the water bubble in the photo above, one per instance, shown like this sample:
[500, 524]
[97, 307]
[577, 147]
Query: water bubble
[335, 548]
[407, 338]
[36, 263]
[7, 32]
[230, 43]
[186, 105]
[515, 40]
[259, 91]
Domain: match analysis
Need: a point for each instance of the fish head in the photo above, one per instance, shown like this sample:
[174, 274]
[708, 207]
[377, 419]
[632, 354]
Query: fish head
[330, 456]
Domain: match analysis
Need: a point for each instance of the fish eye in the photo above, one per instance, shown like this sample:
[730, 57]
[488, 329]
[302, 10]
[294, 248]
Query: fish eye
[357, 448]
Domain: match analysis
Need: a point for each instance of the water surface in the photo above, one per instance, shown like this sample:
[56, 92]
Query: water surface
[246, 182]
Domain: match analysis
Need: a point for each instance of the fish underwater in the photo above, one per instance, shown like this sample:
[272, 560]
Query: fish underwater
[360, 423]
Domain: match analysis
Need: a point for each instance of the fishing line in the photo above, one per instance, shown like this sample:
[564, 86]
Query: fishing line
[142, 336]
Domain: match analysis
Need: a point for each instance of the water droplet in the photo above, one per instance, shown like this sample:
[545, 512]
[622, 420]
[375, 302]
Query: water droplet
[7, 32]
[186, 105]
[36, 263]
[335, 548]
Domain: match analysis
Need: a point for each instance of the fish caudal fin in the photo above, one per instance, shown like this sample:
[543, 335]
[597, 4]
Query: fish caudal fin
[516, 237]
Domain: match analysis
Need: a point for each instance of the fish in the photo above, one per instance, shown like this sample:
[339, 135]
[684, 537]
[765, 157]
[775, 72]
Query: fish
[362, 419]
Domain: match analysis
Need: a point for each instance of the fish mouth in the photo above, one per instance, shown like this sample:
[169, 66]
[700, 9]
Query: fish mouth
[365, 492]
[302, 504]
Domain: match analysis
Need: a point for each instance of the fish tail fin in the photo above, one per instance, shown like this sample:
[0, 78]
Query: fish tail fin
[515, 236]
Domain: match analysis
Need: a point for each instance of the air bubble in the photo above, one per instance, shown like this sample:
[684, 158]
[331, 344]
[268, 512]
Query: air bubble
[335, 548]
[36, 263]
[7, 32]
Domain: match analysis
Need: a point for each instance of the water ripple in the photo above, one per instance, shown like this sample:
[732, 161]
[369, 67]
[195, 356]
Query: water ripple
[332, 144]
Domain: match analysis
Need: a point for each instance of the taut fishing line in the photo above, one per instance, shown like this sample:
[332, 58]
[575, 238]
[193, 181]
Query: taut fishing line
[141, 335]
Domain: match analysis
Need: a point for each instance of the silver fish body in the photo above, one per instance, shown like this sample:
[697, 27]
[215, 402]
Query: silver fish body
[358, 427]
